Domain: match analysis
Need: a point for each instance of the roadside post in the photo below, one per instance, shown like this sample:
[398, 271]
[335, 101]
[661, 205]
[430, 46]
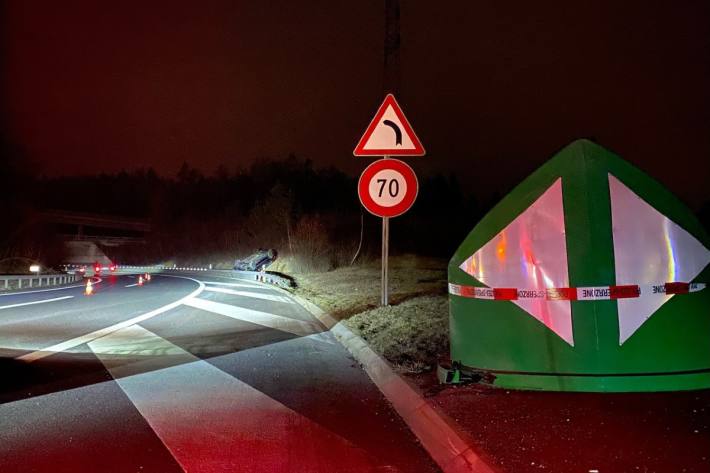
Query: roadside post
[388, 187]
[35, 268]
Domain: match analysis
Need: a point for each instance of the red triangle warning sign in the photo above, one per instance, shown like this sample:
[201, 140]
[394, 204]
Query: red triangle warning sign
[389, 134]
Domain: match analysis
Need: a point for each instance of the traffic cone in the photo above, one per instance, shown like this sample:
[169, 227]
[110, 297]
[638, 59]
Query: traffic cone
[147, 277]
[140, 280]
[89, 288]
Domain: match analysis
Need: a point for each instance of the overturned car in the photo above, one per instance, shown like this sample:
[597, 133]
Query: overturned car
[257, 261]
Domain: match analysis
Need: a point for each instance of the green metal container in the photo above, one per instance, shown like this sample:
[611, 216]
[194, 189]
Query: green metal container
[588, 263]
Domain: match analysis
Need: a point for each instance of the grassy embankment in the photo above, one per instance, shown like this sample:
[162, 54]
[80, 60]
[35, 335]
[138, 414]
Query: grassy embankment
[412, 333]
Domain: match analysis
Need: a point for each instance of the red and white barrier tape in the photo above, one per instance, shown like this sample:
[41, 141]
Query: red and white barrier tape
[598, 293]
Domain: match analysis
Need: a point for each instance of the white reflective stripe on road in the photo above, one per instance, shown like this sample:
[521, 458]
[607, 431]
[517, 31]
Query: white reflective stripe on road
[137, 341]
[234, 284]
[278, 322]
[254, 295]
[75, 342]
[211, 421]
[35, 302]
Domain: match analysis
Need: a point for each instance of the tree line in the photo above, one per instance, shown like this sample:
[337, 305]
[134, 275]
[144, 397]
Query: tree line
[310, 213]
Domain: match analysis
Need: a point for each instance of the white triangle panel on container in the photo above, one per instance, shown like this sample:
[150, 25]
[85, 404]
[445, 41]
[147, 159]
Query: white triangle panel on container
[531, 253]
[649, 248]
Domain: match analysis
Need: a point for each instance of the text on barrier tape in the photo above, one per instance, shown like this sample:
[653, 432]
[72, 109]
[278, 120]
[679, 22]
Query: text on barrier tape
[598, 293]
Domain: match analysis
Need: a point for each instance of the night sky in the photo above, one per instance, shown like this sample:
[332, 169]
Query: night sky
[493, 89]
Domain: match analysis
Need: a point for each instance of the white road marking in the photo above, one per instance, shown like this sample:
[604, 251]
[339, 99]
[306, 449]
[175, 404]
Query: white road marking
[279, 322]
[323, 337]
[233, 284]
[35, 302]
[211, 421]
[74, 342]
[131, 285]
[254, 295]
[137, 341]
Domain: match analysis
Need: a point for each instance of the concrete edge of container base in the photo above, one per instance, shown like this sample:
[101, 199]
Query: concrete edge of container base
[604, 382]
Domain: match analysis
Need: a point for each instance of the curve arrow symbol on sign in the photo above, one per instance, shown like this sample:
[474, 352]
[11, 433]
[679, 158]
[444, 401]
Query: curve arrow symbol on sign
[397, 131]
[377, 139]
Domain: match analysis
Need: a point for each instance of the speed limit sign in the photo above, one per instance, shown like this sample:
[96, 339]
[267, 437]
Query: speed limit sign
[388, 188]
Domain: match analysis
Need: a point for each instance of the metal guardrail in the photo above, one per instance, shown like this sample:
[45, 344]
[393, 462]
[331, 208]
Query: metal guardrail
[267, 277]
[9, 282]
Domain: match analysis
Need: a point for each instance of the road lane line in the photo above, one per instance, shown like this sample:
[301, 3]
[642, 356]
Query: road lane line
[278, 322]
[74, 342]
[234, 284]
[211, 421]
[253, 295]
[131, 285]
[35, 302]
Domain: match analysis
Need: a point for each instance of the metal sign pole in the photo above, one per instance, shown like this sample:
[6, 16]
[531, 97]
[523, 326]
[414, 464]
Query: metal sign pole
[385, 254]
[378, 141]
[385, 257]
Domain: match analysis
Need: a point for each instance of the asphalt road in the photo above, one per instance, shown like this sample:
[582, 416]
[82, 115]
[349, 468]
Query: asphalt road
[186, 373]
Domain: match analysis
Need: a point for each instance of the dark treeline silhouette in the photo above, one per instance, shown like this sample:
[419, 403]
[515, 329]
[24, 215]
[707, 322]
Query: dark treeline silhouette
[312, 214]
[23, 239]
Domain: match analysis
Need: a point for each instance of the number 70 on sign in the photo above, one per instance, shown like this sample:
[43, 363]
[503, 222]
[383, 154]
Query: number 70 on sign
[393, 187]
[388, 188]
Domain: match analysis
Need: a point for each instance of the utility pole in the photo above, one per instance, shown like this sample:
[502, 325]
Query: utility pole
[390, 84]
[391, 76]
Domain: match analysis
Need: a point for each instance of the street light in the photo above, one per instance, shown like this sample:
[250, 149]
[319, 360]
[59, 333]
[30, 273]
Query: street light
[35, 268]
